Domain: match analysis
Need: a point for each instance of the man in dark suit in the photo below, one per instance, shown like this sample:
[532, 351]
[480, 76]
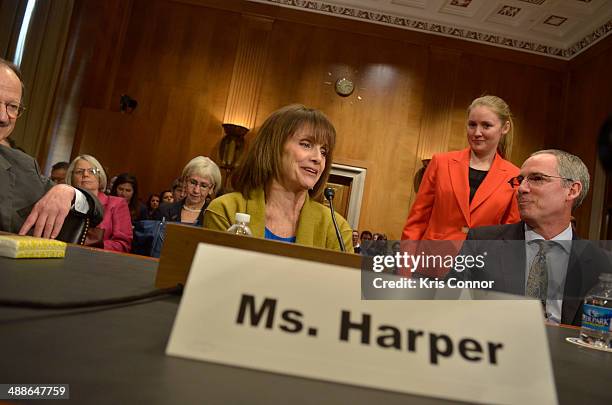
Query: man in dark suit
[28, 200]
[542, 256]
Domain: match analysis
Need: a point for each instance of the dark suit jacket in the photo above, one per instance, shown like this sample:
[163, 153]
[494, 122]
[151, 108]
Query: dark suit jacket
[505, 264]
[171, 212]
[22, 185]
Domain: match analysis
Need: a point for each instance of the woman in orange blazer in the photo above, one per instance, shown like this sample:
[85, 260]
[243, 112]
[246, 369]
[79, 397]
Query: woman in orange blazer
[468, 188]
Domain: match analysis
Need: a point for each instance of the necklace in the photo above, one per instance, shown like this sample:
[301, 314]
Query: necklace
[186, 208]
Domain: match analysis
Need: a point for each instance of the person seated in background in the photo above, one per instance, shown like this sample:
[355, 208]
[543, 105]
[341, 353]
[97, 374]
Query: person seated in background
[365, 235]
[552, 264]
[152, 205]
[86, 172]
[166, 196]
[285, 169]
[381, 243]
[178, 189]
[365, 238]
[126, 187]
[202, 177]
[29, 201]
[356, 245]
[58, 172]
[374, 243]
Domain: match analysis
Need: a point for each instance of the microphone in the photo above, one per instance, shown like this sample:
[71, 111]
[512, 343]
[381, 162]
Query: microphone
[329, 194]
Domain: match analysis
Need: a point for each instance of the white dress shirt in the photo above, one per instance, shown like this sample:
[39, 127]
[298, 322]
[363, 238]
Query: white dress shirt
[80, 202]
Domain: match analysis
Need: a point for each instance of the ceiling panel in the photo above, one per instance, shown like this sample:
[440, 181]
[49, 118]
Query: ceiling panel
[555, 28]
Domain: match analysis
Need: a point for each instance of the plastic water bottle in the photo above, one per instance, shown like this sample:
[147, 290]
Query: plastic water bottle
[597, 313]
[241, 227]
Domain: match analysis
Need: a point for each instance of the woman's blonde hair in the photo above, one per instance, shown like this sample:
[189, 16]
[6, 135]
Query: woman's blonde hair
[502, 110]
[264, 159]
[94, 163]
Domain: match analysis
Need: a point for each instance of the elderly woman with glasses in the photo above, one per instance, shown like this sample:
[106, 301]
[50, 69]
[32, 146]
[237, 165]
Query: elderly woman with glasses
[86, 172]
[202, 178]
[285, 170]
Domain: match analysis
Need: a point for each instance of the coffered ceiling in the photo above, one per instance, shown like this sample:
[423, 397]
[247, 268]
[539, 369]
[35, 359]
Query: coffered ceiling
[555, 28]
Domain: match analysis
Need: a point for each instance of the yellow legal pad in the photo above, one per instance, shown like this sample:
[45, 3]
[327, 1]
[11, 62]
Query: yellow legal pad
[20, 247]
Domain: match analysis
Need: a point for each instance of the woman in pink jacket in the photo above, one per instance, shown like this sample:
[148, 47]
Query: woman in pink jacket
[86, 172]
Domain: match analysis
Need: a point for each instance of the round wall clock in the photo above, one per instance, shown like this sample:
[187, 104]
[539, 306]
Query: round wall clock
[344, 87]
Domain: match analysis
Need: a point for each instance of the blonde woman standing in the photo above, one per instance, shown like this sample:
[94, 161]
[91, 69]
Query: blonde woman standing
[468, 188]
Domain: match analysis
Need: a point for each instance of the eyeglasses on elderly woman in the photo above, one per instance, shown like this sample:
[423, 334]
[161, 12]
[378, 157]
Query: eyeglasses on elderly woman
[91, 170]
[195, 183]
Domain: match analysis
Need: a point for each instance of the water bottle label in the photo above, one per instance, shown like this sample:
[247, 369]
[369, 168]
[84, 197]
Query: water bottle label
[596, 318]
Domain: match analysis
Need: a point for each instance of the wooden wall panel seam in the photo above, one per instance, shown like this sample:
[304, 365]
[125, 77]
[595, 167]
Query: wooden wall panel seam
[246, 76]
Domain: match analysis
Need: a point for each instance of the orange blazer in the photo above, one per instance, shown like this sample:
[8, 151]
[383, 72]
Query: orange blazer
[442, 208]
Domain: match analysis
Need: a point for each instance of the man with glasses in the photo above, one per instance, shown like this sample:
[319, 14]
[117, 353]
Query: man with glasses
[28, 200]
[542, 256]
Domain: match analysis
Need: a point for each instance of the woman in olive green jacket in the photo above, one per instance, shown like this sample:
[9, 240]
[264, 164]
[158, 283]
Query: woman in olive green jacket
[285, 170]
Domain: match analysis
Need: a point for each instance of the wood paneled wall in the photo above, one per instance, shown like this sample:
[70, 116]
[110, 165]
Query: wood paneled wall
[89, 64]
[178, 59]
[589, 104]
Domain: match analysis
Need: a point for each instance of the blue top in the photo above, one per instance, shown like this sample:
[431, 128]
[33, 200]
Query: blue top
[269, 235]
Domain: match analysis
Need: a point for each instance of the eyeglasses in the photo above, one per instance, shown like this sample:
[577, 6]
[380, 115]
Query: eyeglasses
[13, 110]
[535, 179]
[94, 171]
[194, 183]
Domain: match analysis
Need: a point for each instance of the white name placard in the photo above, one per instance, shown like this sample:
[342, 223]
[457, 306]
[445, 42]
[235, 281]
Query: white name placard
[302, 318]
